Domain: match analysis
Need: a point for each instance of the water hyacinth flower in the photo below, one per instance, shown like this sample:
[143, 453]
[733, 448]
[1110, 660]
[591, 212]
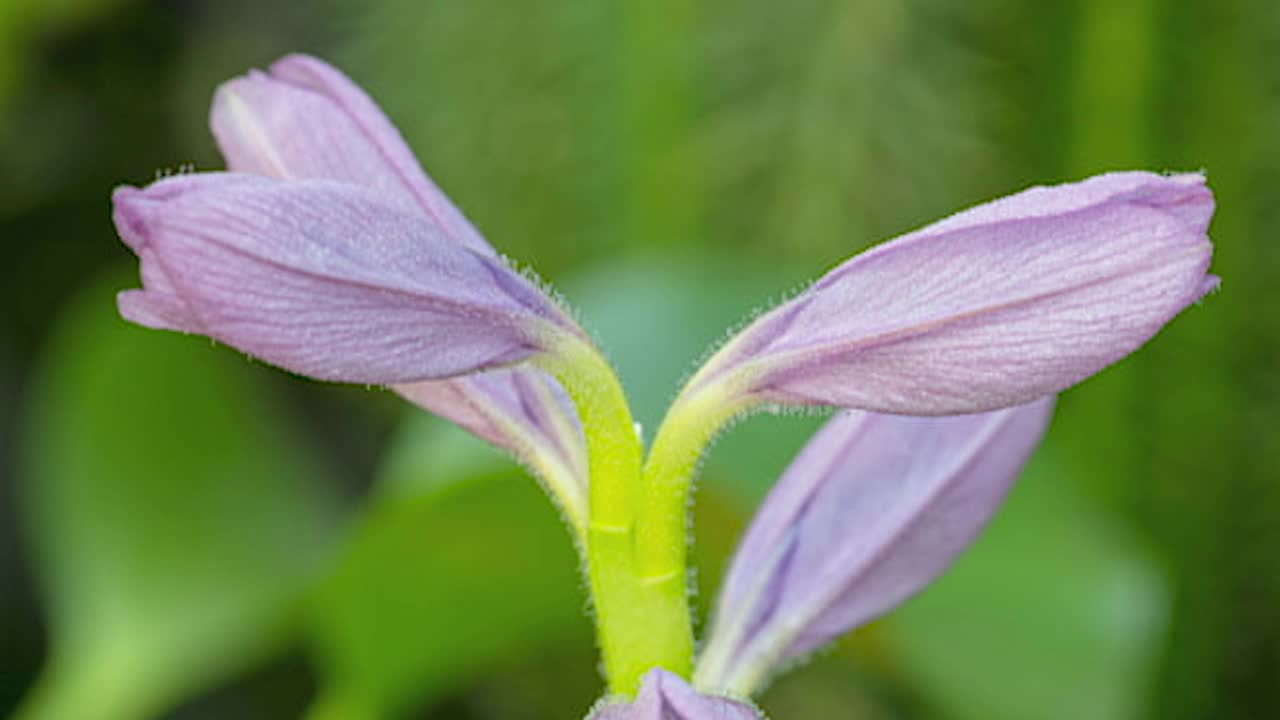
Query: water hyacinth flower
[325, 279]
[991, 307]
[306, 121]
[994, 306]
[326, 250]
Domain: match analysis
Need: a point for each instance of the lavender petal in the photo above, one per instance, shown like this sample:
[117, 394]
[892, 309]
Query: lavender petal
[303, 119]
[992, 307]
[324, 279]
[523, 411]
[873, 509]
[664, 696]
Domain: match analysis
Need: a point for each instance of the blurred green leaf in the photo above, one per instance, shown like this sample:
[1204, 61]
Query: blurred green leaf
[1054, 614]
[22, 21]
[574, 129]
[511, 107]
[174, 521]
[824, 126]
[435, 590]
[428, 454]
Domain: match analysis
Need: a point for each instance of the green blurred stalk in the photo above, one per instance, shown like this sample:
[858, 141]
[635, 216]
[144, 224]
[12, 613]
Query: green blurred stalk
[1111, 58]
[657, 88]
[1212, 396]
[1174, 433]
[1107, 110]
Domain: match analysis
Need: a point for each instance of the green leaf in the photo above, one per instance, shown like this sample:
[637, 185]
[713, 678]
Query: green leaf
[427, 454]
[1054, 614]
[435, 590]
[24, 23]
[174, 522]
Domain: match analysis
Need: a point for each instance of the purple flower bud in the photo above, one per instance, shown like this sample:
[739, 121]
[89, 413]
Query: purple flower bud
[872, 510]
[305, 120]
[325, 279]
[995, 306]
[665, 696]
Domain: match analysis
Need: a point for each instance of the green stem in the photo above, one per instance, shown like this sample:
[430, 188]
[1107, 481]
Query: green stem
[642, 621]
[692, 422]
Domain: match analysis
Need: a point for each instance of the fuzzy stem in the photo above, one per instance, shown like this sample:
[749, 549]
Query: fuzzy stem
[642, 621]
[693, 420]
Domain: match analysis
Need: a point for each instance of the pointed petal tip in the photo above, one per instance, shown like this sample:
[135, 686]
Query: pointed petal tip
[1127, 179]
[296, 69]
[254, 77]
[129, 200]
[127, 203]
[298, 66]
[1210, 284]
[305, 119]
[1195, 177]
[235, 89]
[1185, 196]
[133, 209]
[311, 73]
[155, 310]
[124, 192]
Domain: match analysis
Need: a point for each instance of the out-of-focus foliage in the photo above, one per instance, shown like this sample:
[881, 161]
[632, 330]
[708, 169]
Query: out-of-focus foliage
[22, 21]
[175, 522]
[671, 165]
[435, 590]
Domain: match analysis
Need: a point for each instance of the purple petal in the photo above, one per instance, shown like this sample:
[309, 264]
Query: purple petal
[665, 696]
[995, 306]
[324, 279]
[306, 120]
[523, 411]
[871, 511]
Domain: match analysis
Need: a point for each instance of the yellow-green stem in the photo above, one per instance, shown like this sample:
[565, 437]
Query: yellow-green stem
[689, 426]
[642, 622]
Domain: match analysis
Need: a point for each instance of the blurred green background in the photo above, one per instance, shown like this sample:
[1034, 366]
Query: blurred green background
[185, 534]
